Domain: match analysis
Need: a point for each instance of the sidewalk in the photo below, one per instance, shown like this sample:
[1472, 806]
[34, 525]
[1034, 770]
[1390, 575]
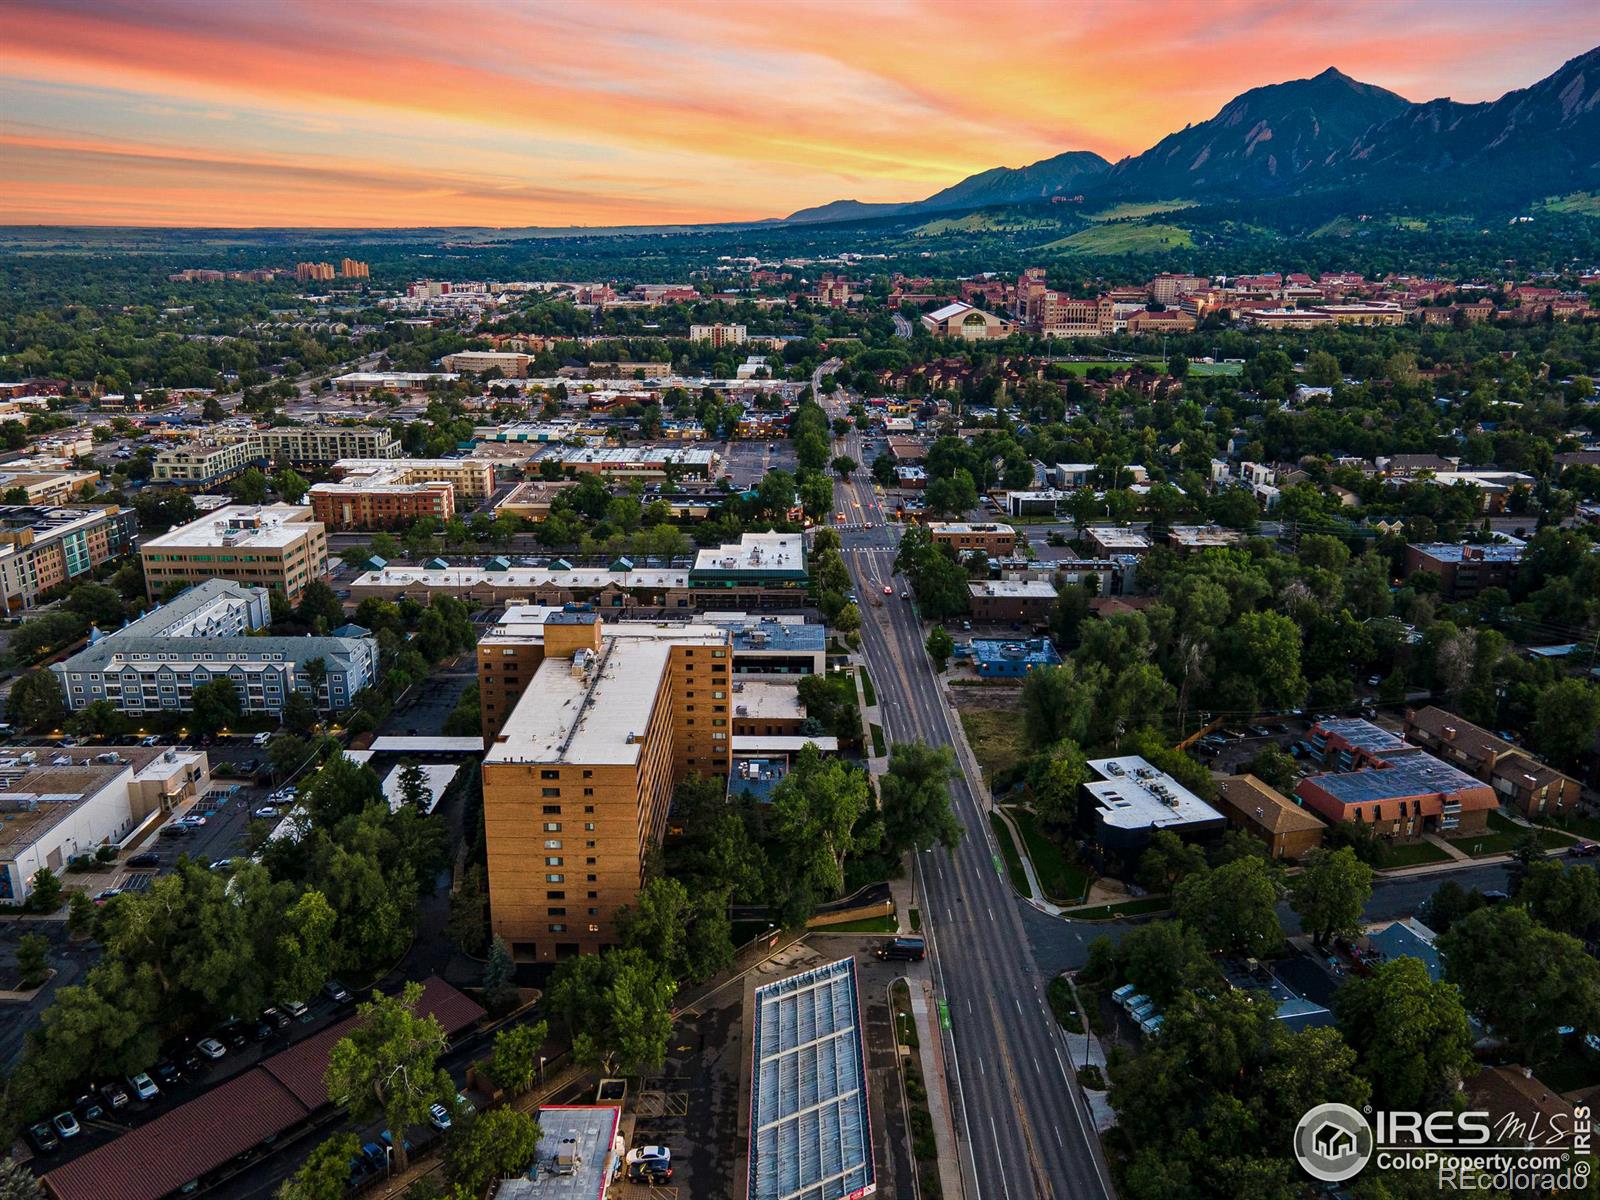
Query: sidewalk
[930, 1054]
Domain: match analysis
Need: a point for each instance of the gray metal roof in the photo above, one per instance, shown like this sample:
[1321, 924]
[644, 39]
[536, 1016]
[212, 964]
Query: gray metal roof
[810, 1128]
[297, 650]
[1406, 775]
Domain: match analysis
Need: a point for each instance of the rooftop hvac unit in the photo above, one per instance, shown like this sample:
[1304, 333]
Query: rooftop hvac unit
[741, 710]
[1114, 770]
[568, 1156]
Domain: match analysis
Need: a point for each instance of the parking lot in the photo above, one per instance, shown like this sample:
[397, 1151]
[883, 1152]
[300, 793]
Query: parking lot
[749, 462]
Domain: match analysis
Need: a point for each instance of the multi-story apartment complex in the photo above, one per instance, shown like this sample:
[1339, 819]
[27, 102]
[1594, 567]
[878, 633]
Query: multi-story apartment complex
[588, 729]
[203, 635]
[510, 364]
[276, 546]
[1169, 289]
[718, 335]
[381, 493]
[313, 272]
[44, 548]
[637, 461]
[1465, 570]
[349, 268]
[205, 462]
[1534, 787]
[48, 486]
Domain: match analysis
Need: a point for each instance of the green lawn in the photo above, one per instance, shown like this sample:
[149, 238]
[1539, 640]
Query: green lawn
[1413, 854]
[980, 222]
[869, 925]
[996, 738]
[1120, 238]
[867, 689]
[879, 747]
[1204, 370]
[1113, 364]
[1502, 837]
[1063, 882]
[1123, 908]
[916, 920]
[1587, 203]
[1008, 851]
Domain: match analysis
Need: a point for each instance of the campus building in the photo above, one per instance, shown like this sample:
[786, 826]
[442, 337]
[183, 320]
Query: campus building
[961, 320]
[209, 633]
[589, 727]
[42, 548]
[1133, 799]
[277, 546]
[718, 335]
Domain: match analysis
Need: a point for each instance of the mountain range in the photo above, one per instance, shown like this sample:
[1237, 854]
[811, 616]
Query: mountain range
[1327, 135]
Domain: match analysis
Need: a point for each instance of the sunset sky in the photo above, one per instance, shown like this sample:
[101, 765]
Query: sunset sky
[604, 112]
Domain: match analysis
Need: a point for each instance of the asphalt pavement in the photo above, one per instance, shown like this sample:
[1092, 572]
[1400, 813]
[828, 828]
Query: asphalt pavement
[1022, 1124]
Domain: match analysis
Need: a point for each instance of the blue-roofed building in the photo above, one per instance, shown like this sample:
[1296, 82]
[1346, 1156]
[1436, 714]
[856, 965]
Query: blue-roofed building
[774, 645]
[1001, 658]
[1408, 938]
[1297, 1012]
[810, 1124]
[1346, 743]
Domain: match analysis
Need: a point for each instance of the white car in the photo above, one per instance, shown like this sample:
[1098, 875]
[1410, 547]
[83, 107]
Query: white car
[654, 1156]
[439, 1117]
[266, 813]
[143, 1086]
[212, 1048]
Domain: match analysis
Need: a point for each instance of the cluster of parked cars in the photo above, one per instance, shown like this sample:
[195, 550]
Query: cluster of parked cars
[1140, 1008]
[649, 1164]
[185, 1059]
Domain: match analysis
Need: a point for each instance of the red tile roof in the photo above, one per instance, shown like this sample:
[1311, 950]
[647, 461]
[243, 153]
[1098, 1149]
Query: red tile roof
[233, 1117]
[181, 1145]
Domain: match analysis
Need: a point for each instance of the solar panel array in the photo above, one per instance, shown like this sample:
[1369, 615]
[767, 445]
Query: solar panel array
[810, 1133]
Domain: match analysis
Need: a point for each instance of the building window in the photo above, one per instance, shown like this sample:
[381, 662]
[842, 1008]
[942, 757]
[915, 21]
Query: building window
[560, 928]
[555, 895]
[555, 791]
[552, 810]
[549, 774]
[552, 862]
[555, 878]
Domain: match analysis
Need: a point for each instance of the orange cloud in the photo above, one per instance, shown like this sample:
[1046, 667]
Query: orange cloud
[485, 112]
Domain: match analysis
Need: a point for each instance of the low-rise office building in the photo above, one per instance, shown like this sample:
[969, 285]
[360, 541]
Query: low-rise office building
[531, 501]
[637, 462]
[60, 804]
[589, 727]
[1011, 600]
[1134, 799]
[999, 658]
[209, 633]
[1108, 541]
[472, 479]
[45, 487]
[43, 548]
[991, 537]
[1186, 539]
[279, 546]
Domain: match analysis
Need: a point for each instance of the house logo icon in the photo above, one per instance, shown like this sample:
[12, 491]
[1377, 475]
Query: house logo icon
[1333, 1142]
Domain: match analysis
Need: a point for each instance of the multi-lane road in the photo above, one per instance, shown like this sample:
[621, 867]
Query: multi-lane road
[1022, 1127]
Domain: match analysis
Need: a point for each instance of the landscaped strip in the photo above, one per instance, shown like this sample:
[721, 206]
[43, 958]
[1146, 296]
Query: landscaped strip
[1008, 851]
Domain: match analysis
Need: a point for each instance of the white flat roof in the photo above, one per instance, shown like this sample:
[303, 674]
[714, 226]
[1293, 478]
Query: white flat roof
[423, 745]
[242, 524]
[1132, 794]
[1108, 535]
[777, 744]
[1014, 588]
[756, 698]
[755, 552]
[588, 578]
[598, 716]
[437, 776]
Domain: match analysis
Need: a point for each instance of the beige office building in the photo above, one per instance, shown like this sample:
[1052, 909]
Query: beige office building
[277, 546]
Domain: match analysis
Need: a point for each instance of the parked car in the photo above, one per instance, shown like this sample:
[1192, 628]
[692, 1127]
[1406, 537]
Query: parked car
[261, 739]
[222, 864]
[388, 1141]
[375, 1153]
[655, 1156]
[167, 1073]
[295, 1008]
[334, 990]
[906, 949]
[105, 894]
[439, 1117]
[145, 860]
[1584, 850]
[114, 1094]
[275, 1017]
[265, 813]
[211, 1048]
[88, 1108]
[66, 1125]
[232, 1032]
[143, 1086]
[641, 1172]
[44, 1138]
[153, 740]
